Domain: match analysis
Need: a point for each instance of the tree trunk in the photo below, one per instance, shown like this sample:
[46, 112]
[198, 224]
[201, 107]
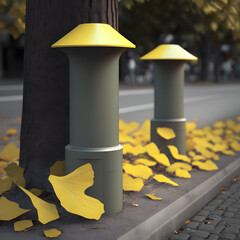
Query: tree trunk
[45, 116]
[205, 50]
[217, 62]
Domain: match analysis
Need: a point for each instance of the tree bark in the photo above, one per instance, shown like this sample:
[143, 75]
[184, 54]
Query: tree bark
[217, 62]
[45, 116]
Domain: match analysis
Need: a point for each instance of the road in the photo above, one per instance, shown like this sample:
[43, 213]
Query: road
[208, 103]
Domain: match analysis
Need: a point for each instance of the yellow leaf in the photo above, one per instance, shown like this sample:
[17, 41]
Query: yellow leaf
[16, 174]
[166, 133]
[22, 225]
[5, 184]
[70, 191]
[176, 155]
[162, 178]
[235, 146]
[128, 148]
[153, 197]
[128, 127]
[37, 192]
[219, 124]
[198, 157]
[10, 210]
[191, 154]
[12, 132]
[10, 153]
[3, 165]
[172, 168]
[189, 145]
[5, 138]
[238, 118]
[151, 148]
[52, 233]
[229, 152]
[190, 126]
[207, 165]
[145, 162]
[132, 184]
[58, 168]
[123, 138]
[161, 158]
[47, 212]
[138, 170]
[183, 173]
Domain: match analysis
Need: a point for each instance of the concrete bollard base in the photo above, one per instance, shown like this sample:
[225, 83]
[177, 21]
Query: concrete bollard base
[107, 166]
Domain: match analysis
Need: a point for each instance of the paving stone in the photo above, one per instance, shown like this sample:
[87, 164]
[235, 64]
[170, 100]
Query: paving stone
[223, 207]
[192, 224]
[237, 216]
[219, 228]
[231, 230]
[188, 231]
[222, 196]
[200, 234]
[228, 214]
[195, 238]
[199, 218]
[231, 220]
[213, 237]
[210, 207]
[217, 212]
[228, 236]
[204, 213]
[206, 227]
[233, 210]
[236, 205]
[214, 217]
[180, 236]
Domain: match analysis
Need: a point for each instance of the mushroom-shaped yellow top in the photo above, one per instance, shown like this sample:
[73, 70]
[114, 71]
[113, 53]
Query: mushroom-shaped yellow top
[168, 52]
[93, 35]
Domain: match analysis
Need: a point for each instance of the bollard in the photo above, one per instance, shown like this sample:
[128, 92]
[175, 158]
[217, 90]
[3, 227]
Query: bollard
[94, 50]
[169, 60]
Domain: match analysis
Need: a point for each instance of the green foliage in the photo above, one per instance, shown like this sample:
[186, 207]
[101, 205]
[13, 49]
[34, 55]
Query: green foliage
[12, 16]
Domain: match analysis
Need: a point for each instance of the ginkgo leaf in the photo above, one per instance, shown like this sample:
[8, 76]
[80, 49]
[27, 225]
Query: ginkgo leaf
[70, 191]
[3, 165]
[183, 173]
[132, 184]
[190, 126]
[229, 152]
[10, 153]
[176, 155]
[123, 138]
[161, 158]
[198, 157]
[16, 172]
[189, 145]
[145, 162]
[166, 133]
[207, 165]
[22, 225]
[58, 168]
[172, 168]
[12, 131]
[52, 233]
[10, 210]
[138, 170]
[47, 212]
[5, 184]
[235, 146]
[162, 178]
[151, 148]
[153, 197]
[128, 127]
[219, 124]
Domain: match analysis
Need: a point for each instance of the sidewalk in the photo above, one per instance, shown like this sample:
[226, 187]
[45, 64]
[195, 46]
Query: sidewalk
[219, 219]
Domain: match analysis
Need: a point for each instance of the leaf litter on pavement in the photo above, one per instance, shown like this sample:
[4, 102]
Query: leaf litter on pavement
[143, 163]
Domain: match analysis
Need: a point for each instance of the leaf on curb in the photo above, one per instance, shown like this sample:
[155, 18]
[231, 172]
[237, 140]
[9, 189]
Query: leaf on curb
[166, 133]
[182, 173]
[176, 155]
[153, 197]
[151, 148]
[10, 210]
[132, 184]
[58, 168]
[5, 184]
[207, 165]
[161, 158]
[52, 233]
[22, 225]
[10, 153]
[161, 178]
[12, 132]
[47, 212]
[138, 170]
[15, 172]
[172, 168]
[145, 162]
[70, 191]
[37, 192]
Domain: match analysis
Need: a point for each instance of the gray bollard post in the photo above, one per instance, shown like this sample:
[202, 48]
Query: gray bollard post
[94, 50]
[169, 60]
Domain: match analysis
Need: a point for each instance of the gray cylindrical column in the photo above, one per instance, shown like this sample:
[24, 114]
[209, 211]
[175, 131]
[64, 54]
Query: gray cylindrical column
[93, 50]
[168, 60]
[168, 102]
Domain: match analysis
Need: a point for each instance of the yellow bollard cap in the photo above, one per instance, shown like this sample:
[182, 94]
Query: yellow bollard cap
[93, 35]
[168, 52]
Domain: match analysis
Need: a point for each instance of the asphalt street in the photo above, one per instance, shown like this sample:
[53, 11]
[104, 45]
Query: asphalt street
[207, 103]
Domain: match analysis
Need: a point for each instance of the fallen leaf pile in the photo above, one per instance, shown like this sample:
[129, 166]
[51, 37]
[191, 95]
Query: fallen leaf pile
[143, 163]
